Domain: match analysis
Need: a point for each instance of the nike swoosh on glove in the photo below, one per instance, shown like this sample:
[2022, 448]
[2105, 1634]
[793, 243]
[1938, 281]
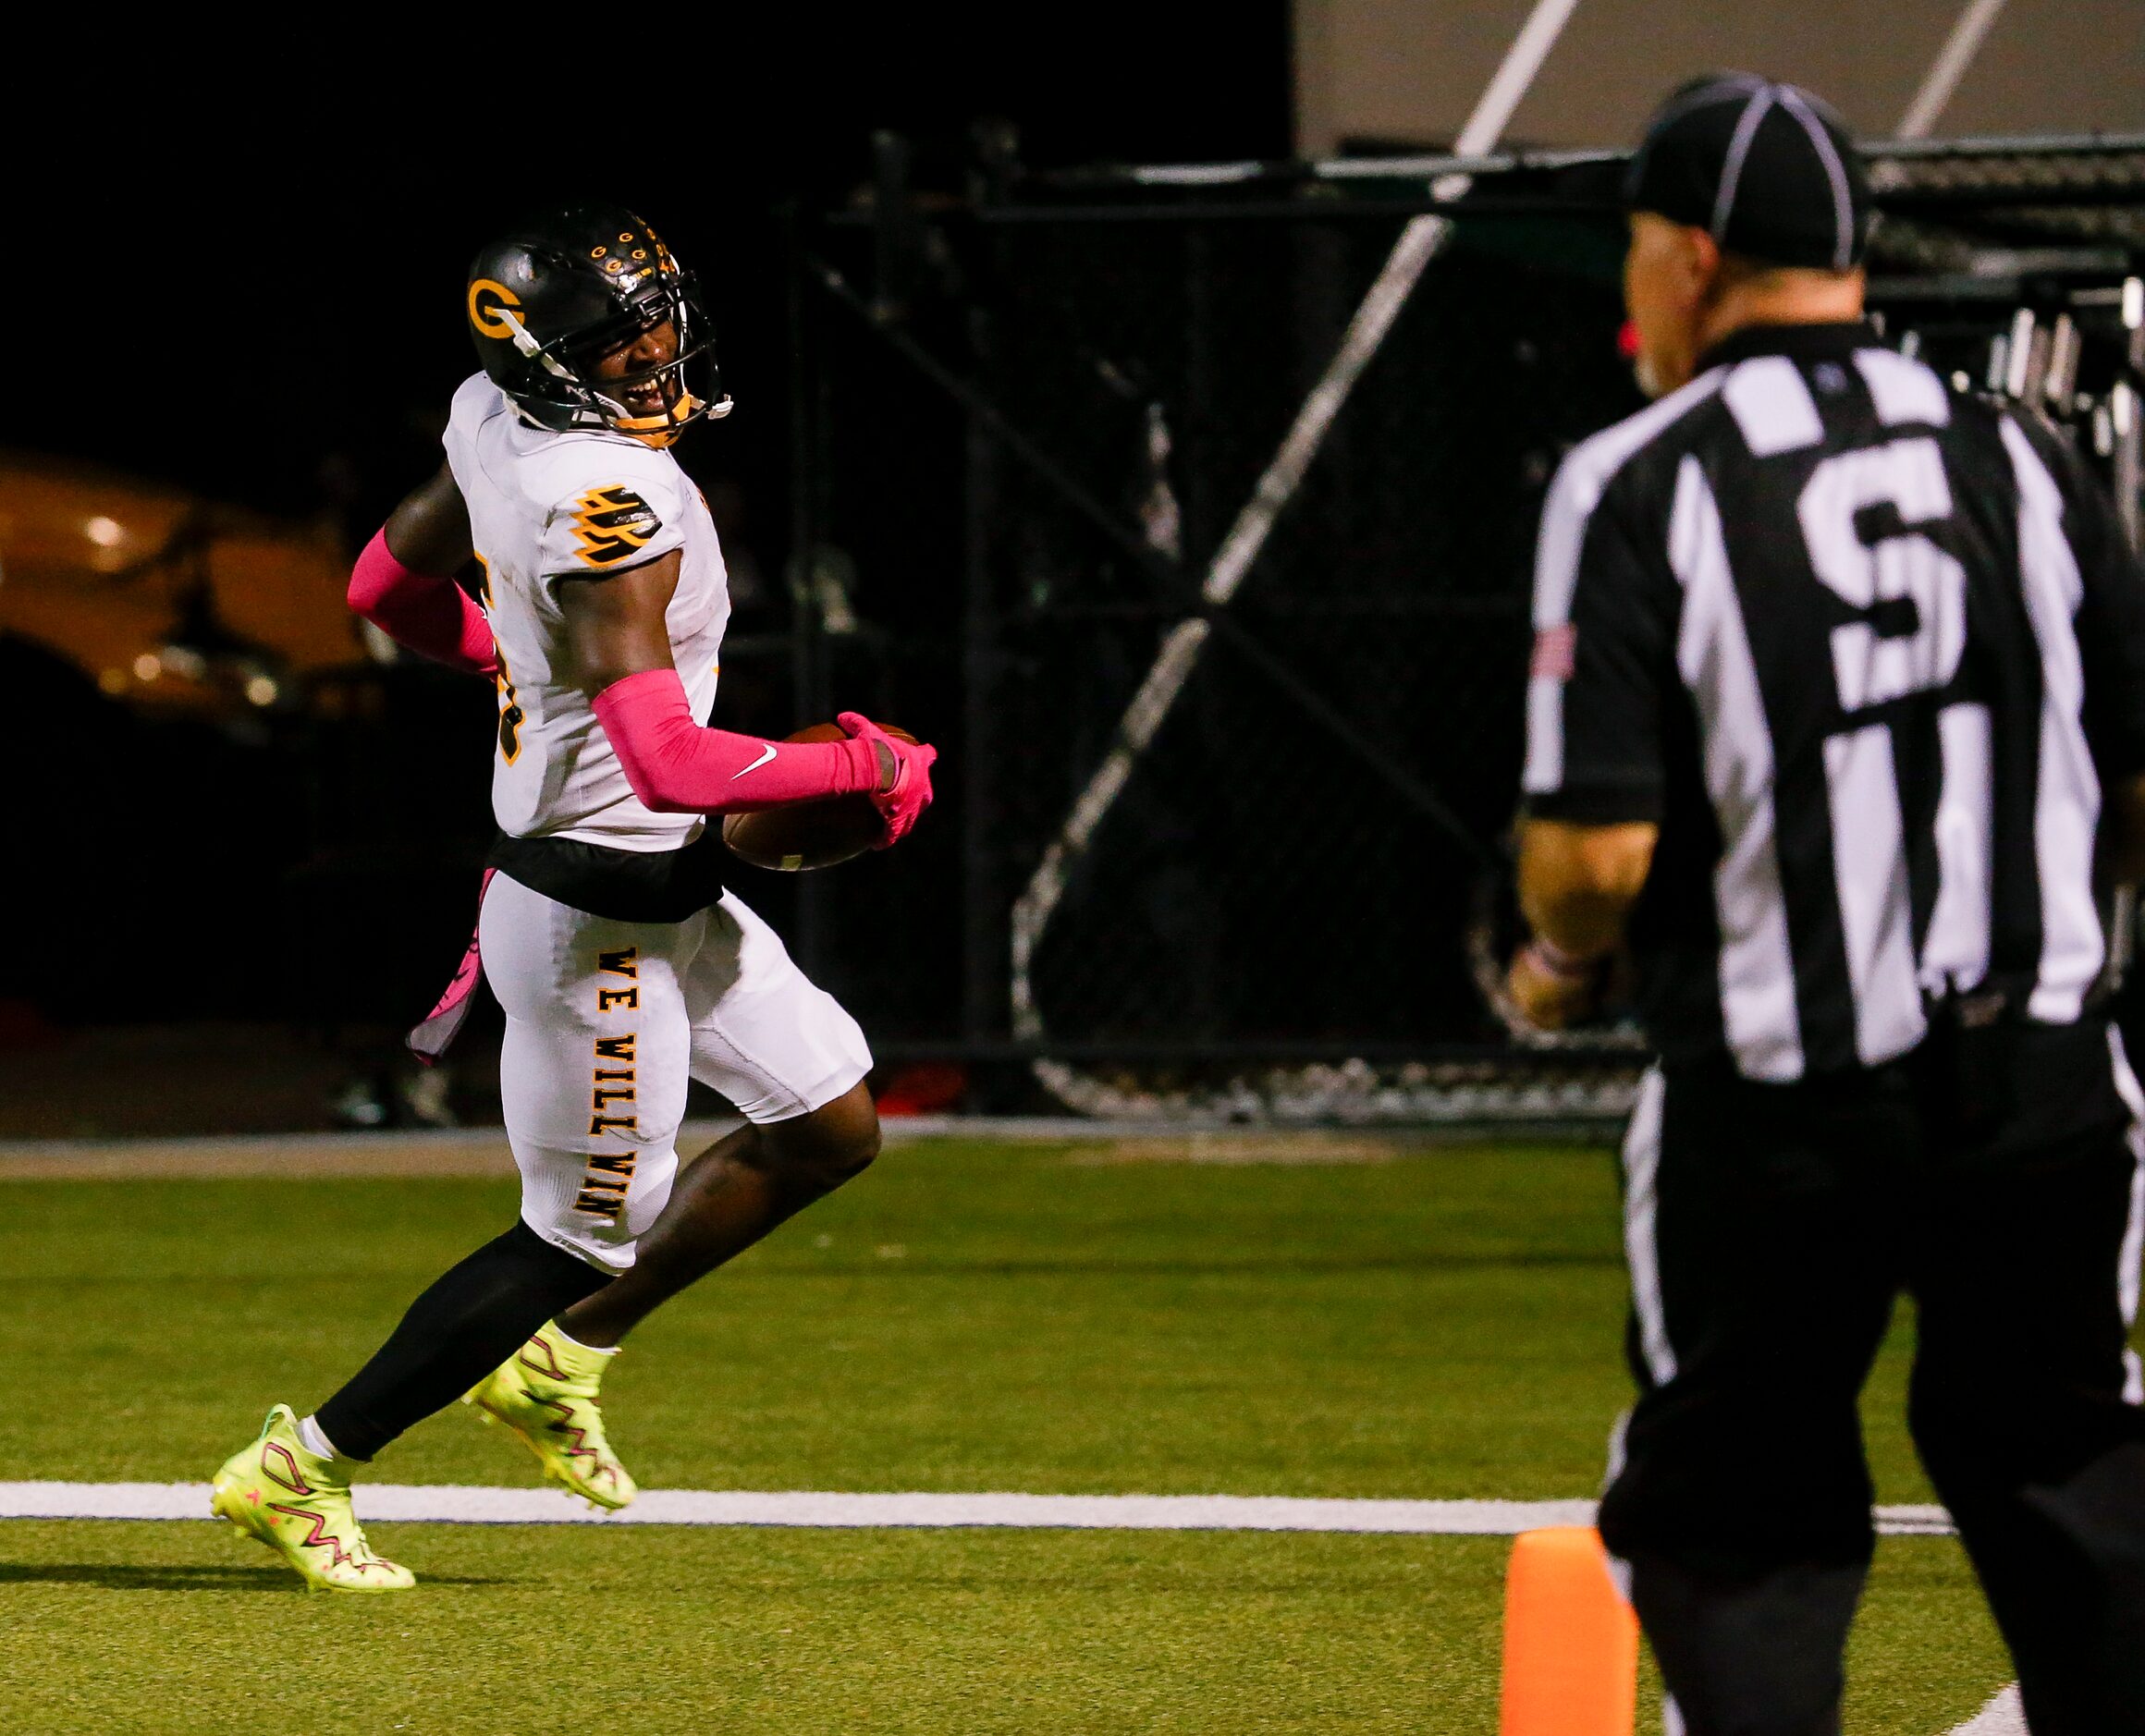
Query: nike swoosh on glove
[902, 805]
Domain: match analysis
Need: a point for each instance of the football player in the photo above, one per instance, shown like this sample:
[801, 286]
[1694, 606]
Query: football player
[624, 967]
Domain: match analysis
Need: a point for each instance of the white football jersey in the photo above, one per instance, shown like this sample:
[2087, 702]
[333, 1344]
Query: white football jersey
[545, 507]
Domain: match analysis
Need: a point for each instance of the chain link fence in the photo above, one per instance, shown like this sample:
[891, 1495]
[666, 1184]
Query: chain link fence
[1234, 742]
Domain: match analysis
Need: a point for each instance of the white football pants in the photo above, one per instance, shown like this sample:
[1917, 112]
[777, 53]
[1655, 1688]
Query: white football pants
[606, 1021]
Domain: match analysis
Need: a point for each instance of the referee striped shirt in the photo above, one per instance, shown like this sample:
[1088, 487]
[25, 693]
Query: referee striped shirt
[1868, 651]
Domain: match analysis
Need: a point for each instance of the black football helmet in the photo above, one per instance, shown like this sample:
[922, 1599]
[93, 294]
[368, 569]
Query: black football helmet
[550, 298]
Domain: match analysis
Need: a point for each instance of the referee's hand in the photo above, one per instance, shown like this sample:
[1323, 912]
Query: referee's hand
[1551, 990]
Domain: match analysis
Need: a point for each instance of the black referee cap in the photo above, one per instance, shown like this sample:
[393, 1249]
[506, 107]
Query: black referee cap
[1767, 169]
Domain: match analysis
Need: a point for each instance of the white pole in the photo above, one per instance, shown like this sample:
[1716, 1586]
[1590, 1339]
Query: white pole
[1952, 62]
[1523, 60]
[1419, 243]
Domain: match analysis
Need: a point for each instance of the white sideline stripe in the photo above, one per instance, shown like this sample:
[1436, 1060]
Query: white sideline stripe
[482, 1151]
[2004, 1716]
[459, 1504]
[998, 1129]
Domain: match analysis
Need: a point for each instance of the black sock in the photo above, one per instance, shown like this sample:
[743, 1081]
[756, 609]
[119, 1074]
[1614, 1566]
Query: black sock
[1761, 1653]
[465, 1325]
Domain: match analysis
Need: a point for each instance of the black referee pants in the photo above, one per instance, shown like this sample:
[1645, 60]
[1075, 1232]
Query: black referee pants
[1993, 1176]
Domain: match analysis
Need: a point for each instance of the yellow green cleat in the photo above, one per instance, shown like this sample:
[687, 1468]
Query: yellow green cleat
[546, 1393]
[298, 1504]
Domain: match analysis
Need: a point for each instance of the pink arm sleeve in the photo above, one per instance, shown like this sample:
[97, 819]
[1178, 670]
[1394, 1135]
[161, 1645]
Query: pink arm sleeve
[430, 616]
[676, 766]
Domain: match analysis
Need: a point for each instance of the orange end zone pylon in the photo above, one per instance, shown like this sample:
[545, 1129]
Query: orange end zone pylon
[1571, 1641]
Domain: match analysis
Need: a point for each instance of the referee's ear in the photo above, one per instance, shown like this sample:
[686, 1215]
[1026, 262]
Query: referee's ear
[1672, 256]
[1711, 271]
[1671, 281]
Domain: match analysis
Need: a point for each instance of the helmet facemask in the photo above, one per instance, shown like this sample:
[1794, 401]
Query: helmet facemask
[689, 385]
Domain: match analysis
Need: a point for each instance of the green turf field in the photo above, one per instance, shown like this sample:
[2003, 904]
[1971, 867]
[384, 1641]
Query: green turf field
[963, 1318]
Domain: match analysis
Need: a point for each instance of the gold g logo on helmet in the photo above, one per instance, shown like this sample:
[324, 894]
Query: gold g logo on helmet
[486, 299]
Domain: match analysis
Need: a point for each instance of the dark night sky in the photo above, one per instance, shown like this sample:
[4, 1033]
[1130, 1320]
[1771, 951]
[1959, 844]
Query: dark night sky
[256, 252]
[232, 261]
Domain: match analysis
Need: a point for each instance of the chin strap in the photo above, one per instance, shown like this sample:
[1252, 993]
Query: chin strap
[662, 431]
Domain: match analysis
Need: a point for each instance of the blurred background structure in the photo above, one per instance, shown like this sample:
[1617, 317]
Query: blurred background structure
[1158, 424]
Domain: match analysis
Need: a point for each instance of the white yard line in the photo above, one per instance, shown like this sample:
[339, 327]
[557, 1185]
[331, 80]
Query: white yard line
[459, 1504]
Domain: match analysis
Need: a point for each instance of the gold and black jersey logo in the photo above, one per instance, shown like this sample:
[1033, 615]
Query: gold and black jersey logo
[611, 524]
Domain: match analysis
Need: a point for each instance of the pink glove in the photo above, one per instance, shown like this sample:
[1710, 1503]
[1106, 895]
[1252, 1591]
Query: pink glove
[430, 616]
[902, 805]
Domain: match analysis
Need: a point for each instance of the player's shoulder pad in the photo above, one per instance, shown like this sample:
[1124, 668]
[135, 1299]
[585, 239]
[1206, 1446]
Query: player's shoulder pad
[476, 401]
[475, 398]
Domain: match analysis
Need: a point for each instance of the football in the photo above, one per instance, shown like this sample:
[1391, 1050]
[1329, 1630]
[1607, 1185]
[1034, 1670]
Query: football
[809, 833]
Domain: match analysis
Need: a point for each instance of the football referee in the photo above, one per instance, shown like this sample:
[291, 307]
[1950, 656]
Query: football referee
[1837, 707]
